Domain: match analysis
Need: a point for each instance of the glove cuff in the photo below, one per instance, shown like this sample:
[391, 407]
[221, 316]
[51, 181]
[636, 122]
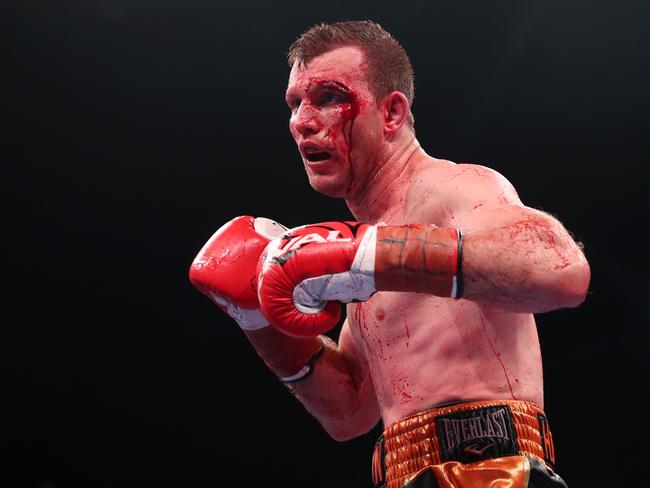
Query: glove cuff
[247, 318]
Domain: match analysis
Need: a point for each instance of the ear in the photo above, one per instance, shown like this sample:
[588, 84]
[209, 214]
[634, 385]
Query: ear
[395, 109]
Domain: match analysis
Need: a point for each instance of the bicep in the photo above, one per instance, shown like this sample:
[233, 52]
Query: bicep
[492, 208]
[495, 215]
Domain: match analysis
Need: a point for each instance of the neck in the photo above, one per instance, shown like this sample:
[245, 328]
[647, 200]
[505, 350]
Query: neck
[384, 190]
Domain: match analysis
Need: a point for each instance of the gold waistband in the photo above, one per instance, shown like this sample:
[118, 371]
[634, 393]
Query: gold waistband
[414, 442]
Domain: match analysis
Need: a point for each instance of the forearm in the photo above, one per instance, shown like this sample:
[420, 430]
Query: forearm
[331, 392]
[530, 265]
[342, 402]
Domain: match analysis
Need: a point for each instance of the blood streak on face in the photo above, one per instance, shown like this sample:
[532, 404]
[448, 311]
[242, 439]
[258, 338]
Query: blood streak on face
[334, 119]
[339, 129]
[349, 112]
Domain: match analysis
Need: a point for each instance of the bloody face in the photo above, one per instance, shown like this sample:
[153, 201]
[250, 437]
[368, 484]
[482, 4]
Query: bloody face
[334, 120]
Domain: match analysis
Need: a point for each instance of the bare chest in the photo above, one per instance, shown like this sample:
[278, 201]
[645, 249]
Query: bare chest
[392, 325]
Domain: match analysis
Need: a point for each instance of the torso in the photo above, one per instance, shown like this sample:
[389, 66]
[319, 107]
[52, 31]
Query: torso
[424, 350]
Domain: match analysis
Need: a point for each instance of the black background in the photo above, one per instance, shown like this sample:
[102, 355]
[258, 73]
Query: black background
[136, 128]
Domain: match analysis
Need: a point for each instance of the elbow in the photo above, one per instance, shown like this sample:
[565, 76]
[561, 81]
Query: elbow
[352, 426]
[574, 284]
[344, 431]
[341, 435]
[339, 430]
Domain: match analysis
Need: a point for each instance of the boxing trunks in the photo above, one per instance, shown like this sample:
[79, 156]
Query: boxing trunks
[505, 443]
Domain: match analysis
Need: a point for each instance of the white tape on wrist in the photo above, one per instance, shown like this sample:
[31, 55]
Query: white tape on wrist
[298, 376]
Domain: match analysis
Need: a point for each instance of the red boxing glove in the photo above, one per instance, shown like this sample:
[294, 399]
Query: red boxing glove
[225, 268]
[225, 271]
[305, 271]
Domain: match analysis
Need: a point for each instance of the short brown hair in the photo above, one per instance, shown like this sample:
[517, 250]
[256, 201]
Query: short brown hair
[390, 67]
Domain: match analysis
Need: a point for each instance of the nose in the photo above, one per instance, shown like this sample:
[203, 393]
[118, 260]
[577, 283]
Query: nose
[305, 120]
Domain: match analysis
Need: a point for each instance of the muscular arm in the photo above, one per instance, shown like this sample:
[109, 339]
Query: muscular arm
[339, 393]
[527, 263]
[514, 257]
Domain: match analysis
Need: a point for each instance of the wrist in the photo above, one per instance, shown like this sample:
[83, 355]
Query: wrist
[285, 355]
[419, 258]
[306, 370]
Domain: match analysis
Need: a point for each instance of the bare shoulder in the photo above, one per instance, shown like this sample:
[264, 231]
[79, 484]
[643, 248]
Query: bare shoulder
[469, 182]
[488, 180]
[443, 190]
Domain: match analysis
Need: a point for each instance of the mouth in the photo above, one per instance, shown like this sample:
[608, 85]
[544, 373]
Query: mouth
[314, 157]
[314, 152]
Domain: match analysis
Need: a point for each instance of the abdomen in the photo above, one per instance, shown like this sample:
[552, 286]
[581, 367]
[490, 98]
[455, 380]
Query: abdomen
[424, 351]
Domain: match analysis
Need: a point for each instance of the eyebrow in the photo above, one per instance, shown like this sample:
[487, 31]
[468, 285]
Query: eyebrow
[331, 84]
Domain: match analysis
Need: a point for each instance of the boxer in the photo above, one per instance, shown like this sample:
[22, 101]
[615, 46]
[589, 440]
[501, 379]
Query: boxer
[442, 270]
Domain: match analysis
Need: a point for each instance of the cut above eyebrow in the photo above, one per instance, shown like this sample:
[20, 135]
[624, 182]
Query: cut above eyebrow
[335, 84]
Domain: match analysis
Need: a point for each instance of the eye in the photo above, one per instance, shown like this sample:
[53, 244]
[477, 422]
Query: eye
[328, 97]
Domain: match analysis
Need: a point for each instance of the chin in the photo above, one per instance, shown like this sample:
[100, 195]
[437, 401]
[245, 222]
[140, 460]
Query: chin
[328, 185]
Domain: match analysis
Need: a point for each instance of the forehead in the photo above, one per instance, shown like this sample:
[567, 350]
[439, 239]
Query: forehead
[346, 65]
